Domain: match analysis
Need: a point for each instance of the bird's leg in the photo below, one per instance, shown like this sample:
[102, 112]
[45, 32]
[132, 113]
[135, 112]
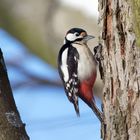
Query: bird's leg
[98, 113]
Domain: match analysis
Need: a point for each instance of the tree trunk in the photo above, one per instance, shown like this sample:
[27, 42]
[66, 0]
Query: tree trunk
[11, 126]
[121, 71]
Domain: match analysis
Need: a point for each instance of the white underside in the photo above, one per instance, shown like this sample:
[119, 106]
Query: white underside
[86, 62]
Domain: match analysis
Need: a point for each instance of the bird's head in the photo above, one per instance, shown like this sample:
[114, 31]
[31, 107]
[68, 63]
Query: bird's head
[77, 35]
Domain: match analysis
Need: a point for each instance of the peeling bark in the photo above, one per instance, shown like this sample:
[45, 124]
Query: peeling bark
[121, 70]
[11, 126]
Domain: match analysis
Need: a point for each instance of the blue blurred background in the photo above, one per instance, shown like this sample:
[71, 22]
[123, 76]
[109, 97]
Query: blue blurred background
[36, 85]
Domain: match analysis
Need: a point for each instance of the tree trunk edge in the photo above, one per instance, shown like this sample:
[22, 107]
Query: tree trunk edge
[11, 126]
[120, 64]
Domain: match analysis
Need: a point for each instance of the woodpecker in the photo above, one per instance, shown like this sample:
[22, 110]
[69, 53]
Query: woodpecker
[77, 69]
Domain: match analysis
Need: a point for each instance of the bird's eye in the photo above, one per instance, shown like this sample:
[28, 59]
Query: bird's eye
[76, 34]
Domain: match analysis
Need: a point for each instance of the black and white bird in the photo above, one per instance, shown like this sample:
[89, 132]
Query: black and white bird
[77, 69]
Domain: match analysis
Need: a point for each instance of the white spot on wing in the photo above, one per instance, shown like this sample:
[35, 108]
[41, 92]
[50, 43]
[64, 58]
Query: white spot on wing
[75, 83]
[75, 58]
[69, 94]
[70, 80]
[67, 86]
[75, 75]
[64, 66]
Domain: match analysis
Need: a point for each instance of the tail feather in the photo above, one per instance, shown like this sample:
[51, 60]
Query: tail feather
[97, 112]
[76, 107]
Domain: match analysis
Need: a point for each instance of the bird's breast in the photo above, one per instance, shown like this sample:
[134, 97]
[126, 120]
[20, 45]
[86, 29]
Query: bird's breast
[86, 62]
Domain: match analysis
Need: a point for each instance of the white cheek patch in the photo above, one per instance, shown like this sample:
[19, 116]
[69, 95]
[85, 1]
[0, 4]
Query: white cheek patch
[70, 37]
[64, 66]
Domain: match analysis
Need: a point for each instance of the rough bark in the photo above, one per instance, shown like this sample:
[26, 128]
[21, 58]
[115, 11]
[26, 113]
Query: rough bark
[136, 18]
[11, 126]
[121, 71]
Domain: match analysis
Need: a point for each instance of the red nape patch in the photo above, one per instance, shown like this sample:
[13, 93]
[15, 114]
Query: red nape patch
[86, 87]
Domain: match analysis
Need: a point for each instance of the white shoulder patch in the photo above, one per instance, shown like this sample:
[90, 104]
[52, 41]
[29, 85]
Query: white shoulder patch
[64, 66]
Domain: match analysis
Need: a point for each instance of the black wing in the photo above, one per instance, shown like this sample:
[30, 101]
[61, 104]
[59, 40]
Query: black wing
[72, 83]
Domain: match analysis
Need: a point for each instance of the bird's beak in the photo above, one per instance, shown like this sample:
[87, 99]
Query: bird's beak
[88, 37]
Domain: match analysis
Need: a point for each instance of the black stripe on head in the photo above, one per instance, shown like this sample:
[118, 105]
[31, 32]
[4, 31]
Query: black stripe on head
[78, 30]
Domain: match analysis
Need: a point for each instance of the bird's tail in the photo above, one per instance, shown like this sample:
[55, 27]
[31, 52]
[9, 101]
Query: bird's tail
[97, 112]
[76, 107]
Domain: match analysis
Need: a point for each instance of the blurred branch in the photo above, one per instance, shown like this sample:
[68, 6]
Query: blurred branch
[32, 78]
[36, 81]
